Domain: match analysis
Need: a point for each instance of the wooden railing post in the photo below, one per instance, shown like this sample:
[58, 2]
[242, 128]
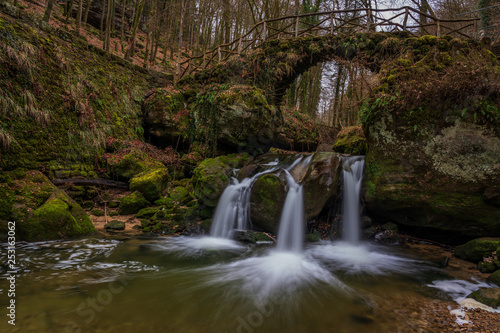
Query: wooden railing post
[407, 12]
[474, 36]
[220, 54]
[297, 20]
[240, 45]
[264, 31]
[368, 19]
[332, 23]
[438, 28]
[205, 60]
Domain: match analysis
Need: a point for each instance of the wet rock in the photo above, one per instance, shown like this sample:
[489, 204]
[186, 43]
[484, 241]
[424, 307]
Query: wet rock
[475, 250]
[212, 176]
[370, 232]
[266, 202]
[390, 226]
[488, 296]
[132, 203]
[252, 237]
[486, 267]
[321, 183]
[313, 237]
[495, 278]
[115, 225]
[366, 222]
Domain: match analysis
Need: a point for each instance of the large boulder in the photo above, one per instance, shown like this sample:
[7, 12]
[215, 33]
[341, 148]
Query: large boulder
[145, 174]
[321, 183]
[41, 210]
[212, 176]
[234, 118]
[351, 140]
[433, 138]
[477, 249]
[266, 200]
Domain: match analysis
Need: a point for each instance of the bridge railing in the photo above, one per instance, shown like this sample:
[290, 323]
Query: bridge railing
[340, 22]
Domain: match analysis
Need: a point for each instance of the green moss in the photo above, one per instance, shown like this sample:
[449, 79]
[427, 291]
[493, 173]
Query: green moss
[115, 225]
[59, 217]
[351, 140]
[476, 249]
[488, 296]
[267, 198]
[486, 267]
[150, 183]
[132, 203]
[147, 213]
[97, 212]
[495, 278]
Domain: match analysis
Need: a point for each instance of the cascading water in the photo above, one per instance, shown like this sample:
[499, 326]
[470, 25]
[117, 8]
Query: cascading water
[233, 209]
[353, 178]
[291, 229]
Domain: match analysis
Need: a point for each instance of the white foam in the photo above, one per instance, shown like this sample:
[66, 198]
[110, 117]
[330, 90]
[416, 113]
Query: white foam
[278, 272]
[194, 246]
[361, 258]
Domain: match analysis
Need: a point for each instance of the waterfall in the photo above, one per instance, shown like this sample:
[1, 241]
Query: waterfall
[353, 178]
[233, 209]
[291, 227]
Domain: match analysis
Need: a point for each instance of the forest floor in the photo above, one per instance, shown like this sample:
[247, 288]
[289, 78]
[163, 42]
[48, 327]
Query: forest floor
[94, 37]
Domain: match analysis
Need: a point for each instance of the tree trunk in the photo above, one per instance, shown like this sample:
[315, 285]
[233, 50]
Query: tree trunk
[48, 11]
[87, 9]
[79, 16]
[137, 18]
[69, 10]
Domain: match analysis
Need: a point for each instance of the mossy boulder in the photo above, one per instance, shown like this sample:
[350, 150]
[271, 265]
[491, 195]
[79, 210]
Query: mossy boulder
[234, 118]
[351, 140]
[115, 225]
[321, 183]
[41, 210]
[132, 203]
[212, 176]
[150, 183]
[266, 200]
[475, 250]
[130, 165]
[148, 212]
[495, 278]
[166, 116]
[488, 296]
[486, 267]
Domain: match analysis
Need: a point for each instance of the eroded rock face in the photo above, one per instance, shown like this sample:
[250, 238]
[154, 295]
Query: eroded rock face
[443, 179]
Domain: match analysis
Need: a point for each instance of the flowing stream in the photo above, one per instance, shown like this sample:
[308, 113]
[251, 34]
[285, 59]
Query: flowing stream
[214, 284]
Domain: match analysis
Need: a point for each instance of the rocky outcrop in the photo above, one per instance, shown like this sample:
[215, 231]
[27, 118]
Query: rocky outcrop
[319, 175]
[351, 140]
[433, 161]
[41, 211]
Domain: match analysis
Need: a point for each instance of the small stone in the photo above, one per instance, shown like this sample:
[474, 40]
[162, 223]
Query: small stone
[115, 225]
